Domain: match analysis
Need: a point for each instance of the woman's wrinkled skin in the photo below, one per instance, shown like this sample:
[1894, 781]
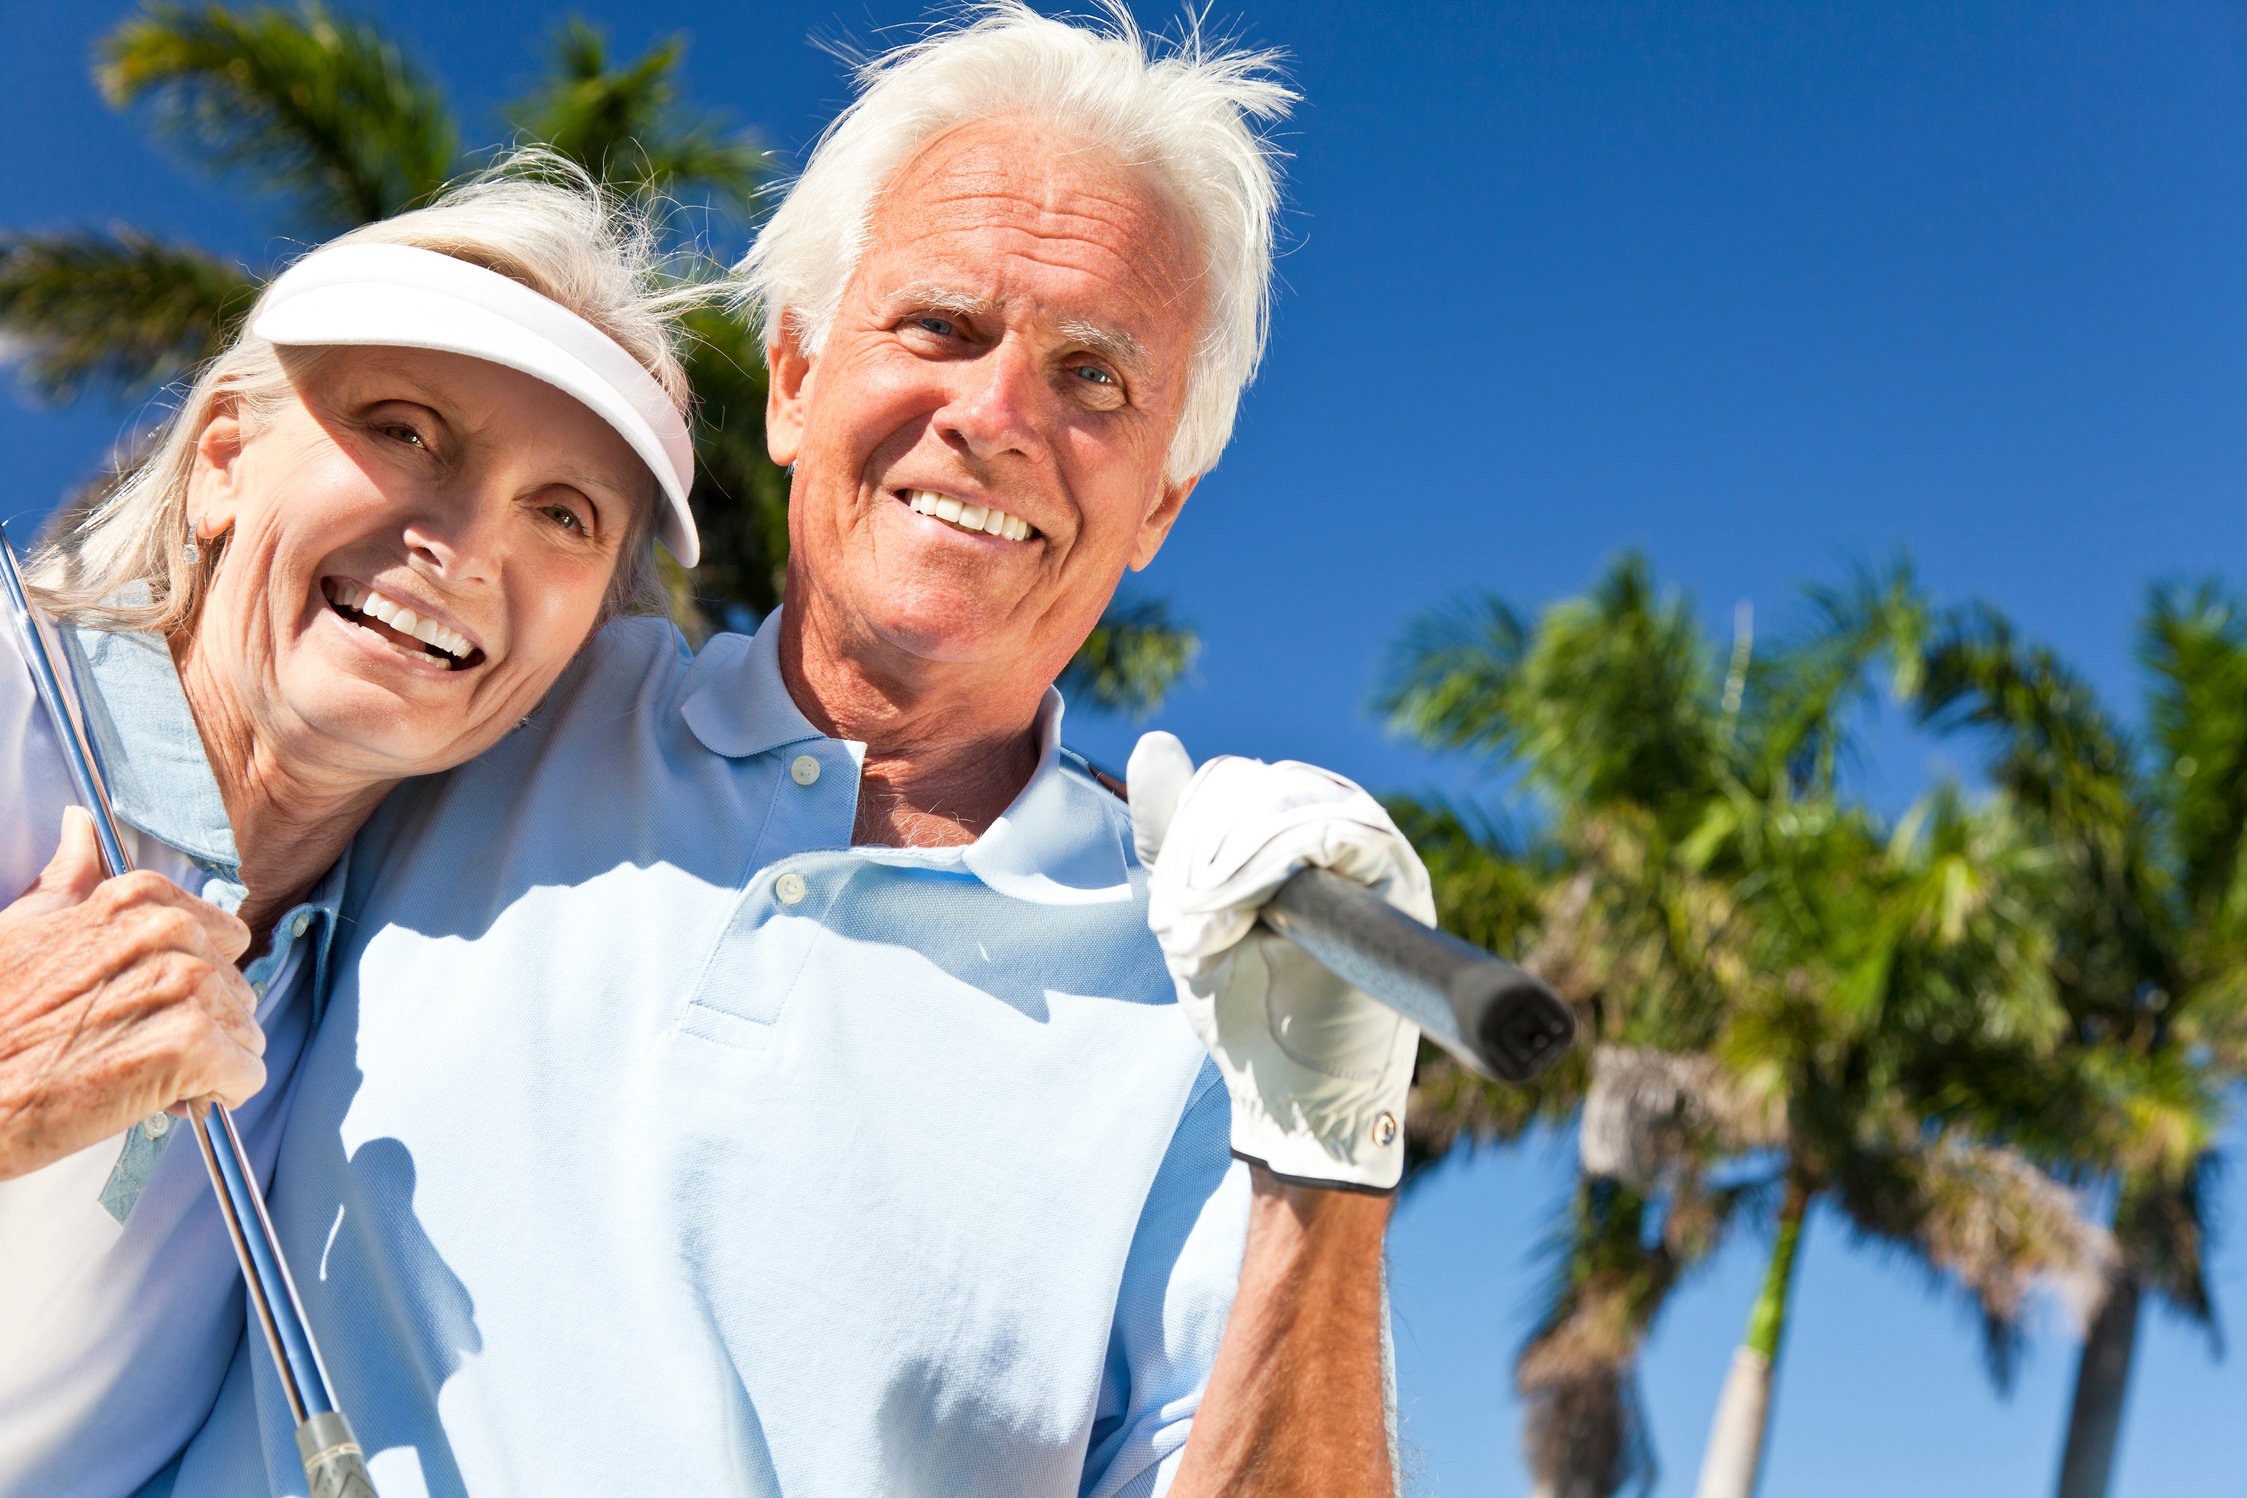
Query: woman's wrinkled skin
[470, 493]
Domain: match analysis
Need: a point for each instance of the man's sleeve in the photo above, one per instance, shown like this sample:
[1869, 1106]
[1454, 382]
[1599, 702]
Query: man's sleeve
[1178, 1285]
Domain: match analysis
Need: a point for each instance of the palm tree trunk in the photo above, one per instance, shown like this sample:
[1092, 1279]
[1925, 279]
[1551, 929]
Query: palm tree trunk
[2102, 1378]
[1743, 1411]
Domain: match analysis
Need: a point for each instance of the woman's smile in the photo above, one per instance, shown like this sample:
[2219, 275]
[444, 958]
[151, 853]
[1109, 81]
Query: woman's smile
[408, 631]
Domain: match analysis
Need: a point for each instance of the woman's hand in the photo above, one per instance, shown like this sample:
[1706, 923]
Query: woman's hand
[119, 998]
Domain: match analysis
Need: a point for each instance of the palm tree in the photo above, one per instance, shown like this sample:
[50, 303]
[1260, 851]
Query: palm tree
[328, 119]
[1788, 1002]
[2149, 965]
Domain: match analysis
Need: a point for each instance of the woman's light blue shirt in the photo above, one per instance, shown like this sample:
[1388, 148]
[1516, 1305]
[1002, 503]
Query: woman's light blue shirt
[659, 1141]
[120, 1303]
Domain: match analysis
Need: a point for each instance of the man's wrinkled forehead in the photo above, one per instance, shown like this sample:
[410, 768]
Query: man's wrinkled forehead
[1086, 228]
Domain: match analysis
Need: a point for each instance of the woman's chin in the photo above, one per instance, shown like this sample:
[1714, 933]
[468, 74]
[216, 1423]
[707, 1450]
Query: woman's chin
[378, 717]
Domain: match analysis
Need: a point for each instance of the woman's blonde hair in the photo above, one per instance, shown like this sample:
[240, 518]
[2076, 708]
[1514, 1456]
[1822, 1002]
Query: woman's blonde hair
[118, 558]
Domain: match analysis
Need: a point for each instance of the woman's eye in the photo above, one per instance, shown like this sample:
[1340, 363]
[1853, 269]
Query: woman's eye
[565, 517]
[400, 432]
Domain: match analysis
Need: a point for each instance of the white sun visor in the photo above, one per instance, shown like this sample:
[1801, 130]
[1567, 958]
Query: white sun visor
[397, 296]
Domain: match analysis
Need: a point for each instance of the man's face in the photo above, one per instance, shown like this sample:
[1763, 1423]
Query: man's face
[1016, 339]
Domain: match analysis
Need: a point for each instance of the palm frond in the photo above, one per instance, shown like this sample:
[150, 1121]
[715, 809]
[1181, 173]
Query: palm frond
[2054, 747]
[323, 111]
[740, 496]
[115, 309]
[1609, 1278]
[626, 125]
[2192, 644]
[2163, 1227]
[1984, 1219]
[1803, 695]
[1132, 658]
[1453, 675]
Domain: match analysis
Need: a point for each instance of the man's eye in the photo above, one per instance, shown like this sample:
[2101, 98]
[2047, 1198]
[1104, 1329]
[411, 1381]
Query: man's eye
[400, 432]
[1094, 374]
[942, 327]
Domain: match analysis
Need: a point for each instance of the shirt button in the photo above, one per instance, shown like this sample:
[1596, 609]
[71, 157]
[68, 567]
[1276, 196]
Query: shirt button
[156, 1125]
[301, 924]
[790, 889]
[805, 770]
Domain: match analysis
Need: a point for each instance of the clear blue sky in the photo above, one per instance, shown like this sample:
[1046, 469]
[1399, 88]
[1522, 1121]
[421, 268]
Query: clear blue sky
[1759, 288]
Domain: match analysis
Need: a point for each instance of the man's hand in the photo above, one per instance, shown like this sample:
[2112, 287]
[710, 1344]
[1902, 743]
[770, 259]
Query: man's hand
[1317, 1071]
[119, 998]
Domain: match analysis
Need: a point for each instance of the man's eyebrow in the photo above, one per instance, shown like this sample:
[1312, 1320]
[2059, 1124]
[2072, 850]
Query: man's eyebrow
[1112, 344]
[938, 298]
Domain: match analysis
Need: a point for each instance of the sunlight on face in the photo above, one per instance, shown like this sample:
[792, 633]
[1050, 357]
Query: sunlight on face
[414, 547]
[980, 442]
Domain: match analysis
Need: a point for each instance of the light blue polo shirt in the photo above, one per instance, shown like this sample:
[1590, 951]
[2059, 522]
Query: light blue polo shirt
[658, 1141]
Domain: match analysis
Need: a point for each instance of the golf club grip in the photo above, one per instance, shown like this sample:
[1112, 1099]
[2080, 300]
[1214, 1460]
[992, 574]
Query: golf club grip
[1484, 1010]
[334, 1466]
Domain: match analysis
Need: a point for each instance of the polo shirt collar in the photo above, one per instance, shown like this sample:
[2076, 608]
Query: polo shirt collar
[1059, 842]
[735, 700]
[146, 742]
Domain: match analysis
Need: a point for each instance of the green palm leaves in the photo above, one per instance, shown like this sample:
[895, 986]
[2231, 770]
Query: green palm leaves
[324, 113]
[116, 309]
[629, 126]
[1793, 1000]
[332, 123]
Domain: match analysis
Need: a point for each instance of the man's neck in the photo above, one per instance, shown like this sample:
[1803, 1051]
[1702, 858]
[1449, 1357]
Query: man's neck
[948, 746]
[290, 823]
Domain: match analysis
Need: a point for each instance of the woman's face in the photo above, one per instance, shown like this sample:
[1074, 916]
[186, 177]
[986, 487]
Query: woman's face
[415, 545]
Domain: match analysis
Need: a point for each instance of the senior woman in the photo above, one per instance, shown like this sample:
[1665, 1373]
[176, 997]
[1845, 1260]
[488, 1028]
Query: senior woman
[369, 541]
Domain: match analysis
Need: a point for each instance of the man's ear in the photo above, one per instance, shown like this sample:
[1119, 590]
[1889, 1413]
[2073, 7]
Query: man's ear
[789, 374]
[214, 489]
[1155, 529]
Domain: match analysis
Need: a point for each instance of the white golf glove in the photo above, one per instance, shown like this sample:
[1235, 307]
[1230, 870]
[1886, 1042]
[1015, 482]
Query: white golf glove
[1317, 1071]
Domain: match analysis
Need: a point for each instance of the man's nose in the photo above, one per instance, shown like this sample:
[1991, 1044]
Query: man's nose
[999, 405]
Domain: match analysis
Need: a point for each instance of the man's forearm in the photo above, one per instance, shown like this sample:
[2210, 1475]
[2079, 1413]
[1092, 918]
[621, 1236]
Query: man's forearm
[1295, 1404]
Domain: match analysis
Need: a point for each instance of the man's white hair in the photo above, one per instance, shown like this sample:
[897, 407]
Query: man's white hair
[1183, 113]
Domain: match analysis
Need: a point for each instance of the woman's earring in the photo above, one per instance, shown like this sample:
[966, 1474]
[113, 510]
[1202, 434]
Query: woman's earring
[192, 552]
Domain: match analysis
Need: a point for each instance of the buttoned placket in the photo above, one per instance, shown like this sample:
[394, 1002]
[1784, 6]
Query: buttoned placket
[145, 1145]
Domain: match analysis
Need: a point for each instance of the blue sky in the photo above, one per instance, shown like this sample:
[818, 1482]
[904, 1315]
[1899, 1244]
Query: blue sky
[1759, 288]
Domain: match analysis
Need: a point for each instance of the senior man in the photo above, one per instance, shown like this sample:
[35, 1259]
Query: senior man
[757, 1076]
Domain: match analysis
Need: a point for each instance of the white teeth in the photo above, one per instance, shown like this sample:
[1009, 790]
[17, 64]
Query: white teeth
[983, 518]
[400, 618]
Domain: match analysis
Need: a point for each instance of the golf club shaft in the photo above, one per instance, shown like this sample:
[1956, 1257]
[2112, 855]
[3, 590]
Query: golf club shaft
[265, 1273]
[1490, 1014]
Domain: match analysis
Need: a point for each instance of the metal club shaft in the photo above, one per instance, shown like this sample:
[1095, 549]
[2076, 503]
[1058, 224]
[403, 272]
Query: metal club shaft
[1498, 1019]
[334, 1465]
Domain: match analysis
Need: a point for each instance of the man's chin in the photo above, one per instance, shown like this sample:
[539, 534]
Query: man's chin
[941, 625]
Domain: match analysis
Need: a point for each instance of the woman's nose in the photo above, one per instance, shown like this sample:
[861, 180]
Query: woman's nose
[998, 406]
[456, 533]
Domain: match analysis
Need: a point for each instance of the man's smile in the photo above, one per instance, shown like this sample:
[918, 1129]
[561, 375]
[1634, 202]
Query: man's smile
[988, 520]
